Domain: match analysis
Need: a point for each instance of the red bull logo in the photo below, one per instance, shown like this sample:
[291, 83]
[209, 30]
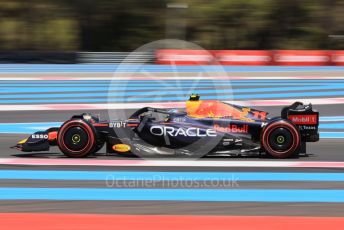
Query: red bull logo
[232, 128]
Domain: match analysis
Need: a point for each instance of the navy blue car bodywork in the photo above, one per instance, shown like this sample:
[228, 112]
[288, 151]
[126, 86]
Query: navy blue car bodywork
[172, 132]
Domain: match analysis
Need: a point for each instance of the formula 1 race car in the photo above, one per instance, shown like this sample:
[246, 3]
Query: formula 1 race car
[203, 128]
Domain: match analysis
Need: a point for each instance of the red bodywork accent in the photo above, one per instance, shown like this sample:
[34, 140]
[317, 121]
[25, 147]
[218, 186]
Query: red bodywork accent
[259, 115]
[133, 125]
[215, 109]
[52, 136]
[101, 124]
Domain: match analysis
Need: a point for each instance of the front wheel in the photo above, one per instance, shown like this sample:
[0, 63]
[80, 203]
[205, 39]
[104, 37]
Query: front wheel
[76, 138]
[281, 139]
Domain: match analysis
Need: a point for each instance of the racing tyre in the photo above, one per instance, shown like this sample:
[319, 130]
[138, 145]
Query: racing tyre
[77, 138]
[281, 139]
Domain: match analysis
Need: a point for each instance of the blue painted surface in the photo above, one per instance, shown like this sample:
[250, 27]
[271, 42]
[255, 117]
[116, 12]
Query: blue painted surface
[163, 91]
[182, 97]
[84, 92]
[55, 68]
[331, 125]
[167, 81]
[27, 128]
[145, 81]
[172, 89]
[248, 195]
[144, 85]
[112, 176]
[331, 118]
[97, 91]
[332, 135]
[95, 81]
[89, 91]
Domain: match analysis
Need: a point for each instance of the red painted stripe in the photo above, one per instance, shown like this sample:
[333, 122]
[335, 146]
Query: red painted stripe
[101, 124]
[133, 125]
[38, 221]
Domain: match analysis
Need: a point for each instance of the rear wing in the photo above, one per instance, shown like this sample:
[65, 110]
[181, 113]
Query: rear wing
[305, 118]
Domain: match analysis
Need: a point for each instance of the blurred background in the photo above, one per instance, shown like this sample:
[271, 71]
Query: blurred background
[123, 25]
[272, 53]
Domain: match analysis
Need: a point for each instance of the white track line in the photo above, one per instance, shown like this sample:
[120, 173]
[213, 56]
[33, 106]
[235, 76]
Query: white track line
[65, 107]
[164, 78]
[170, 163]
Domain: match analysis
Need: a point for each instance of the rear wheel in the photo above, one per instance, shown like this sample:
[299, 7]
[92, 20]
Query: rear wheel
[281, 139]
[76, 138]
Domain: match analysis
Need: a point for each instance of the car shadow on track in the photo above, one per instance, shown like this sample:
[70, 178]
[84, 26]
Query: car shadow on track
[58, 155]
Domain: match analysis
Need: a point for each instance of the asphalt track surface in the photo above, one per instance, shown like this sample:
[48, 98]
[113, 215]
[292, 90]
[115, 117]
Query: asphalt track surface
[325, 150]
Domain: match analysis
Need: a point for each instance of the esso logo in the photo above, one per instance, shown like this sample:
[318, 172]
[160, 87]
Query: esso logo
[39, 136]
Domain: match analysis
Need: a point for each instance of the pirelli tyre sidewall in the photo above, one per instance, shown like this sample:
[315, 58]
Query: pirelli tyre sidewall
[281, 139]
[77, 138]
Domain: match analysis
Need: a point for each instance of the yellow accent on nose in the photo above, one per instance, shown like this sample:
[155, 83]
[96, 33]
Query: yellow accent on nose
[22, 141]
[192, 107]
[122, 148]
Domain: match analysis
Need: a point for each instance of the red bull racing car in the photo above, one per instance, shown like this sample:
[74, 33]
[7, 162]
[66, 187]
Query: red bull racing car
[203, 128]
